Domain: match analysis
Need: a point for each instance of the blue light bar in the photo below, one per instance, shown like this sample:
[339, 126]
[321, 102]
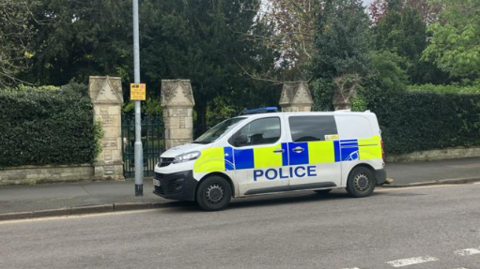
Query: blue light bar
[261, 110]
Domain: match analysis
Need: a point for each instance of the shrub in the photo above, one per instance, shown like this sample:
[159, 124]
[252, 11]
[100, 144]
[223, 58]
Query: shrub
[323, 91]
[424, 120]
[47, 126]
[442, 89]
[389, 70]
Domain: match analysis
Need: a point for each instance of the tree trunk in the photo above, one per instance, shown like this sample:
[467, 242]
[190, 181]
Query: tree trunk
[201, 121]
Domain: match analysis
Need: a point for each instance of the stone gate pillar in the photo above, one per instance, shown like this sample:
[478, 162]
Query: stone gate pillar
[296, 97]
[346, 90]
[177, 105]
[107, 98]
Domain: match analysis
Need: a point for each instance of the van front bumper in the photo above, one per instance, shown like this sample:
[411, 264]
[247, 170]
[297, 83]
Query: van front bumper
[177, 186]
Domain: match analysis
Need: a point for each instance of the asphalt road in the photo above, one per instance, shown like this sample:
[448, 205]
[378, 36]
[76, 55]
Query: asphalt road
[430, 228]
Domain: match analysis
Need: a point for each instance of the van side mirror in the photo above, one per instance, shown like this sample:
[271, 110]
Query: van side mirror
[240, 141]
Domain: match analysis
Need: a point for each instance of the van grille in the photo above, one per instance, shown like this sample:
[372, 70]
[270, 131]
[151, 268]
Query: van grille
[166, 186]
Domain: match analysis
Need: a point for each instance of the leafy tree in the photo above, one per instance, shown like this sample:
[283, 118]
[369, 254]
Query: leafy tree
[342, 45]
[78, 39]
[15, 40]
[403, 32]
[206, 41]
[388, 72]
[455, 43]
[341, 39]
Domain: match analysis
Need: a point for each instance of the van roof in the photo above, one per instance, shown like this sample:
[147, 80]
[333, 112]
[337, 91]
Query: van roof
[338, 112]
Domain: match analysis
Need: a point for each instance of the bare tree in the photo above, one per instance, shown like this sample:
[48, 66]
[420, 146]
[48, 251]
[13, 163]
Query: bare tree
[292, 23]
[428, 10]
[15, 40]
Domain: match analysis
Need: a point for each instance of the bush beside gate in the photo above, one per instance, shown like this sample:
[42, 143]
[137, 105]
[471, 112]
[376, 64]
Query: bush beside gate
[47, 126]
[425, 118]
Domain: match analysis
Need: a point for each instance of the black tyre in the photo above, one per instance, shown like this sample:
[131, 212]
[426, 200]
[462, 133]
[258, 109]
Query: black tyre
[361, 182]
[214, 193]
[323, 192]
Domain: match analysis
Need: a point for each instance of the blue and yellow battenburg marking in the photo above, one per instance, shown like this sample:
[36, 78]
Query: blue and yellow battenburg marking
[283, 154]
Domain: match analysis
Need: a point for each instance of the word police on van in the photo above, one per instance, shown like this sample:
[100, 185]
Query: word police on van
[263, 151]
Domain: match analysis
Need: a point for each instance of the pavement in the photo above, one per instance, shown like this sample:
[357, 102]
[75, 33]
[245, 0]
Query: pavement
[405, 174]
[434, 227]
[74, 198]
[43, 200]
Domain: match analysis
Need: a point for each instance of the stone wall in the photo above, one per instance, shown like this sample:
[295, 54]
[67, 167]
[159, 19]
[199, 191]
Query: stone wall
[435, 155]
[28, 175]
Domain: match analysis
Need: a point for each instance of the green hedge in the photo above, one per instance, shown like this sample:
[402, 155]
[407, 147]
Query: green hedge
[47, 126]
[443, 89]
[422, 120]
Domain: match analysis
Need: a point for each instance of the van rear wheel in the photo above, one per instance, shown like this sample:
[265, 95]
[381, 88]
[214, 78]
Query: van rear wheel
[361, 182]
[214, 193]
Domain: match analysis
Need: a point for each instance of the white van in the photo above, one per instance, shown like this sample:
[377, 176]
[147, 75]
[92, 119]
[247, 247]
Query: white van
[264, 151]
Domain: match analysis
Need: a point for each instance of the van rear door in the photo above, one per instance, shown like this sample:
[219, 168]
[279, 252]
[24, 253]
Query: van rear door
[360, 141]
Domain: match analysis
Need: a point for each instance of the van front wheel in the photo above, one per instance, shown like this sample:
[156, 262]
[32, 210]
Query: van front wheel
[214, 193]
[361, 182]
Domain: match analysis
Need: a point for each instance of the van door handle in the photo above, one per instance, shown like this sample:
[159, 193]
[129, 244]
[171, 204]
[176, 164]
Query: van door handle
[279, 151]
[298, 149]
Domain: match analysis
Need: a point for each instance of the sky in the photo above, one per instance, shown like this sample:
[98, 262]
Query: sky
[367, 2]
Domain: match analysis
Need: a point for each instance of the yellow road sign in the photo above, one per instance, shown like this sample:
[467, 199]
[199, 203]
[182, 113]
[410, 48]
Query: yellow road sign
[138, 92]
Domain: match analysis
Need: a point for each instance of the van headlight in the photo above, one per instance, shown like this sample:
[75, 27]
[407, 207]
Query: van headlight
[187, 157]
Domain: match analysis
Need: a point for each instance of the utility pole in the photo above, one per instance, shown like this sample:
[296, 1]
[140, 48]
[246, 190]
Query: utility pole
[138, 116]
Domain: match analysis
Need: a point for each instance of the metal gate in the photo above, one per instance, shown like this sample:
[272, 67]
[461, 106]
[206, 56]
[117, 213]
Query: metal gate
[153, 142]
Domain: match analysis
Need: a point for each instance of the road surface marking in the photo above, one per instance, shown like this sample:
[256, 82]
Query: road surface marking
[467, 251]
[412, 261]
[461, 268]
[351, 268]
[76, 216]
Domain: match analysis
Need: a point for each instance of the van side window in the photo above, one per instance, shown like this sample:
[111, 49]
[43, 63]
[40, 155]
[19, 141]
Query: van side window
[312, 128]
[258, 132]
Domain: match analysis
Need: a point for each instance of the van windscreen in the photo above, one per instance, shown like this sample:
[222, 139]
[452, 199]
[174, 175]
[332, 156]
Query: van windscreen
[217, 131]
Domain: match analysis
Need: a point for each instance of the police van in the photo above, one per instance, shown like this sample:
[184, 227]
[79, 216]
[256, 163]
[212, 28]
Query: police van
[263, 151]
